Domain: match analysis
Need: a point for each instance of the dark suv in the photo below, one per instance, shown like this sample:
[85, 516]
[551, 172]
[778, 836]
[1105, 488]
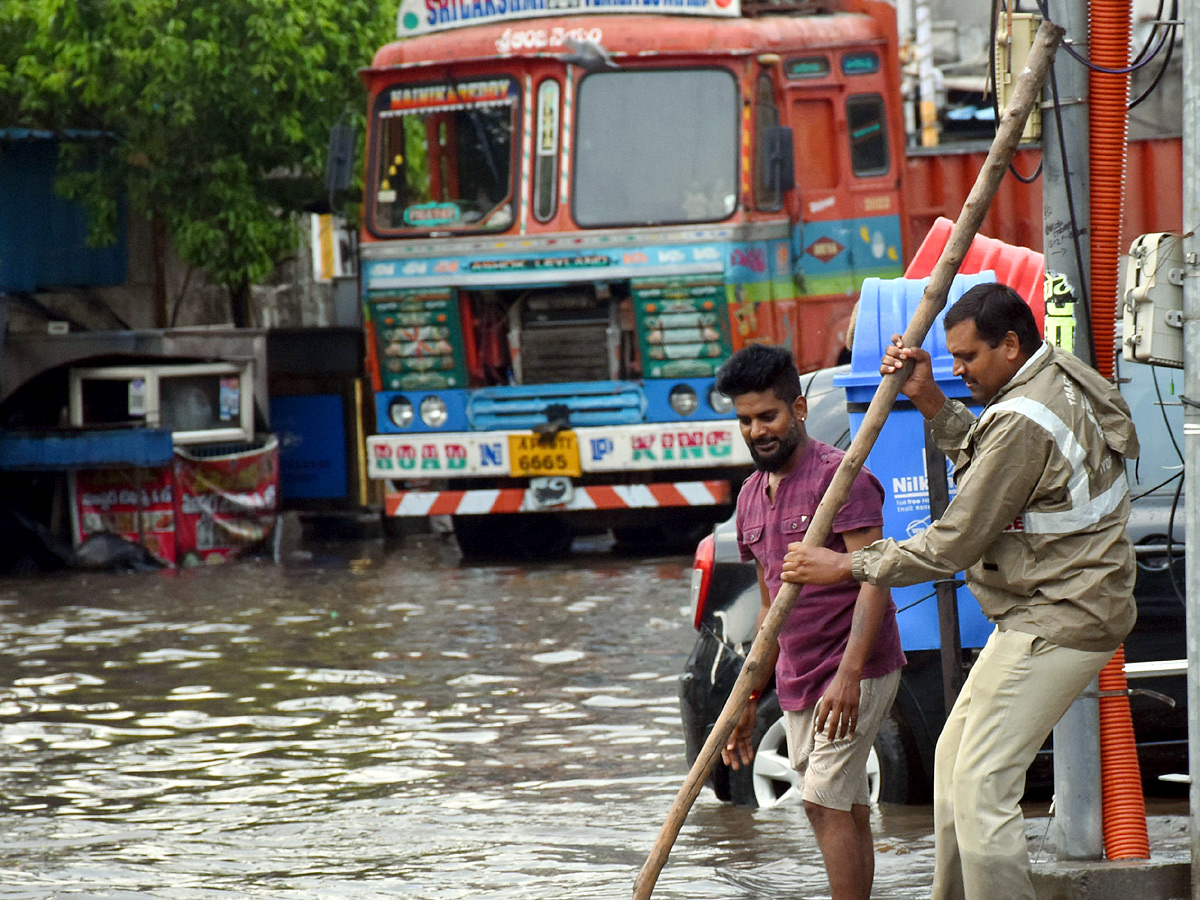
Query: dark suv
[726, 600]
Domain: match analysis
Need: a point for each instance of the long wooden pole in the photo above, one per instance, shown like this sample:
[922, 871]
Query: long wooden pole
[1008, 135]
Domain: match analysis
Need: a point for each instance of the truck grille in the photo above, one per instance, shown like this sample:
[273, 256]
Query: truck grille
[524, 406]
[566, 335]
[565, 352]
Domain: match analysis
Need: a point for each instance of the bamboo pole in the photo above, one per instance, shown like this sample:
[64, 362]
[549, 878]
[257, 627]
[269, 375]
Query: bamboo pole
[1008, 135]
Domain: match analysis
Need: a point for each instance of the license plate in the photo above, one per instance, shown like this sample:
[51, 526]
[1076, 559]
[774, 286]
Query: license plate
[547, 493]
[529, 456]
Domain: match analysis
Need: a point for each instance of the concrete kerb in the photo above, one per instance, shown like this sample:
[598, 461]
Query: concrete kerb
[1120, 880]
[1165, 876]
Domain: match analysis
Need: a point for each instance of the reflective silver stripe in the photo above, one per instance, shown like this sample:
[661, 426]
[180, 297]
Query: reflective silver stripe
[1085, 511]
[1078, 517]
[1064, 439]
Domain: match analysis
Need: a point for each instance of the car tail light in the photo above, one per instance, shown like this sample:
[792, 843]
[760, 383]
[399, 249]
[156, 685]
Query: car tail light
[702, 569]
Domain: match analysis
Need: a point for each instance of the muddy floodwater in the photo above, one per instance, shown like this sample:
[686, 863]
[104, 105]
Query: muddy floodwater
[373, 721]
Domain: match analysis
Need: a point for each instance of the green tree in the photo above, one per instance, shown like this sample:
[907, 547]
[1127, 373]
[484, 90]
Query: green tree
[219, 111]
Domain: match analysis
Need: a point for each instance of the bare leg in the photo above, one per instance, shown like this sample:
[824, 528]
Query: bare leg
[847, 848]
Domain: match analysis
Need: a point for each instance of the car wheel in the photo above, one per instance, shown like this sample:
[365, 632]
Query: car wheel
[874, 773]
[894, 761]
[770, 779]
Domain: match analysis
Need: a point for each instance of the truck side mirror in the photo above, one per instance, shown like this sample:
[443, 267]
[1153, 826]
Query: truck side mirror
[780, 158]
[339, 167]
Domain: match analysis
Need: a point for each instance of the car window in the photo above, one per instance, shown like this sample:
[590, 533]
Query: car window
[1152, 393]
[828, 419]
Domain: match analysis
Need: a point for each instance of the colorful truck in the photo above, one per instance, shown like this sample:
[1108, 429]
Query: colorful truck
[575, 210]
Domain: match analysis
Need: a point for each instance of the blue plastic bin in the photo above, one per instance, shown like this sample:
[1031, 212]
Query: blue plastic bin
[898, 457]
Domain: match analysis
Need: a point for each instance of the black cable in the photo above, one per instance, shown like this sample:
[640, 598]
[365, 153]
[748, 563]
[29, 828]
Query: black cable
[1026, 179]
[1149, 491]
[1179, 593]
[1095, 67]
[1162, 69]
[992, 57]
[954, 581]
[1162, 408]
[1158, 14]
[915, 602]
[1083, 303]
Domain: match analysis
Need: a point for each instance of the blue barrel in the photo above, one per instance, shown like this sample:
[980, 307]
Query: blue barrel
[898, 457]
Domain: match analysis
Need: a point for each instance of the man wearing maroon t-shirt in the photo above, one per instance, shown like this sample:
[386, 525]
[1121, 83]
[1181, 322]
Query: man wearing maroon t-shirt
[838, 657]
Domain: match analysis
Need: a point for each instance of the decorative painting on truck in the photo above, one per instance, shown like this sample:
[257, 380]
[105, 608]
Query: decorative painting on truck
[683, 326]
[426, 16]
[418, 339]
[643, 447]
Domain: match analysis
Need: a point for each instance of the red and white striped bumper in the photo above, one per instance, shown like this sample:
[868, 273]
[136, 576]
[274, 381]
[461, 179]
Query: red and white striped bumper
[521, 500]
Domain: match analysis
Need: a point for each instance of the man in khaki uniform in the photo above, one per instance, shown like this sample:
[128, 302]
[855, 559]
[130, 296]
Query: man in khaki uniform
[1038, 524]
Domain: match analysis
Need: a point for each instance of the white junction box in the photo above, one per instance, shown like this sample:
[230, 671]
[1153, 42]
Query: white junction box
[1152, 300]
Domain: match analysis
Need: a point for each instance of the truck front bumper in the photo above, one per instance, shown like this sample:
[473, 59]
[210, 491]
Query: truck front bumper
[556, 494]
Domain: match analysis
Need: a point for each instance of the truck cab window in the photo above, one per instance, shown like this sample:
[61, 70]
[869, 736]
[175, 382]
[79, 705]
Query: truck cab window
[766, 194]
[656, 147]
[444, 158]
[545, 163]
[864, 63]
[867, 123]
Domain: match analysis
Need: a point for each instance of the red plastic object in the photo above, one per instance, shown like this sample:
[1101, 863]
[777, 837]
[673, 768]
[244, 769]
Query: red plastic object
[1022, 269]
[702, 569]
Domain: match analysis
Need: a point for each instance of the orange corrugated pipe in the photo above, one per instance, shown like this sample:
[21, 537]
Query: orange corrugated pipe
[1124, 805]
[1109, 24]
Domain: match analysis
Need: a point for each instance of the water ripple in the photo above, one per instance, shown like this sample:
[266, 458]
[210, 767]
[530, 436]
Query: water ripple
[388, 724]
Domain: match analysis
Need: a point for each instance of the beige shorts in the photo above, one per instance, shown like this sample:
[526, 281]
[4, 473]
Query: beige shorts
[835, 772]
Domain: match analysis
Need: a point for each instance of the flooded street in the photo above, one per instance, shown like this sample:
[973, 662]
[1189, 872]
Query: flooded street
[376, 722]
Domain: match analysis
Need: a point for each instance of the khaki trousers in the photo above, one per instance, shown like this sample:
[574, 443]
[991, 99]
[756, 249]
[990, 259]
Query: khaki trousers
[1017, 691]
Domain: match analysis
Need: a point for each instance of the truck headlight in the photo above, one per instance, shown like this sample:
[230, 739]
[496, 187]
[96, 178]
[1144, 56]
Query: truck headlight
[719, 402]
[683, 399]
[433, 411]
[400, 411]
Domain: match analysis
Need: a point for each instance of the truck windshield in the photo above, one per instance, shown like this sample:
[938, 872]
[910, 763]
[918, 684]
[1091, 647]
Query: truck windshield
[443, 156]
[656, 147]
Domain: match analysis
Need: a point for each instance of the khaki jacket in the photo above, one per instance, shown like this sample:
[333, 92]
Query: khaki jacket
[1038, 522]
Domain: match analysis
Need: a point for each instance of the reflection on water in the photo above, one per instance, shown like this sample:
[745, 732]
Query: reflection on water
[393, 724]
[386, 724]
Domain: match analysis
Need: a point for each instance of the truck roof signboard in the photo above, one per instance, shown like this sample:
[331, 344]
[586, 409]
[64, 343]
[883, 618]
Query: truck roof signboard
[418, 17]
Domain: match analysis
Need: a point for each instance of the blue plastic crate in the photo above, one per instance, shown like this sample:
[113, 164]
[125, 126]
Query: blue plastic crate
[898, 457]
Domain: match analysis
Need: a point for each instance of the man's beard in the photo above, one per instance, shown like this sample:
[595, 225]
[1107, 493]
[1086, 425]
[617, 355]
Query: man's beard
[776, 460]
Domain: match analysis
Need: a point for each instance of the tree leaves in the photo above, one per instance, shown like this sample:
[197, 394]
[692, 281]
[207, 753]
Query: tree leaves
[211, 104]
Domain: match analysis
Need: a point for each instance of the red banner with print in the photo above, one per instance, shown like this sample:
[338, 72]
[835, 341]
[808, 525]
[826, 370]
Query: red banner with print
[226, 504]
[107, 501]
